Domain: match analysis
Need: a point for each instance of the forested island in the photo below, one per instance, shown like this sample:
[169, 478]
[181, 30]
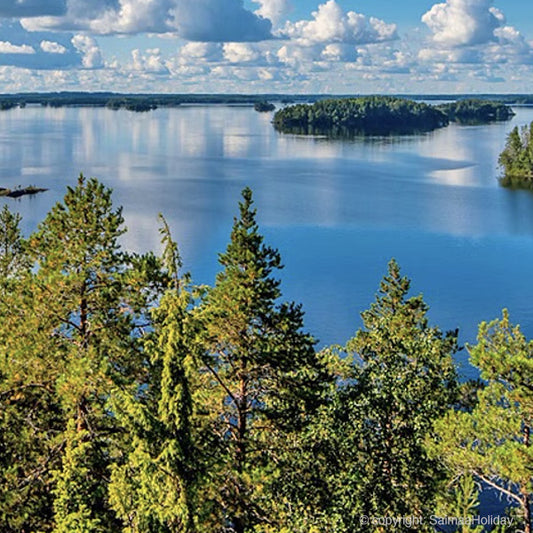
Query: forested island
[133, 401]
[146, 101]
[476, 111]
[516, 159]
[380, 115]
[364, 115]
[264, 107]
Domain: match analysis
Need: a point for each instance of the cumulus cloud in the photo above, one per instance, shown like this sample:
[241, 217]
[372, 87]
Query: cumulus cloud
[219, 20]
[198, 20]
[92, 57]
[194, 53]
[149, 62]
[331, 24]
[9, 48]
[463, 22]
[240, 53]
[274, 10]
[339, 52]
[36, 50]
[52, 47]
[473, 31]
[31, 8]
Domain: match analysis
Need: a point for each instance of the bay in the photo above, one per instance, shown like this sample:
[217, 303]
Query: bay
[338, 210]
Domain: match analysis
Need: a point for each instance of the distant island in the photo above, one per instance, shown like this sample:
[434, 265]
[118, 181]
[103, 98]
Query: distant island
[373, 115]
[516, 159]
[382, 115]
[20, 191]
[476, 111]
[264, 107]
[149, 101]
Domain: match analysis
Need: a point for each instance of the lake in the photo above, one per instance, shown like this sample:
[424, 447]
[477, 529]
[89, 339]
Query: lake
[337, 210]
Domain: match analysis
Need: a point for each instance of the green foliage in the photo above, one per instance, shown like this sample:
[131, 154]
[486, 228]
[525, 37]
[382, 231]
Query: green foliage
[364, 115]
[70, 334]
[403, 378]
[516, 159]
[492, 442]
[13, 257]
[154, 488]
[476, 111]
[264, 107]
[132, 401]
[265, 377]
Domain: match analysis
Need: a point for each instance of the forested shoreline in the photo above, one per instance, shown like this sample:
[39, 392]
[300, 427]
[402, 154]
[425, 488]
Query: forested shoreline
[132, 400]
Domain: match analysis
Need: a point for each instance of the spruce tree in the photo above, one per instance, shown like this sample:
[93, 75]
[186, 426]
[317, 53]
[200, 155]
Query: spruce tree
[264, 375]
[154, 488]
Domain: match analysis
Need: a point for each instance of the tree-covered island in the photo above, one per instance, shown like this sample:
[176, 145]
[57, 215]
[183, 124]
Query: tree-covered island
[476, 111]
[516, 159]
[373, 115]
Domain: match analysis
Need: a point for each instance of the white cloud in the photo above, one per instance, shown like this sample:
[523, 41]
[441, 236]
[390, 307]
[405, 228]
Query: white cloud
[92, 57]
[8, 48]
[463, 22]
[240, 53]
[51, 47]
[197, 52]
[219, 20]
[149, 62]
[473, 31]
[198, 20]
[331, 24]
[457, 55]
[274, 10]
[339, 52]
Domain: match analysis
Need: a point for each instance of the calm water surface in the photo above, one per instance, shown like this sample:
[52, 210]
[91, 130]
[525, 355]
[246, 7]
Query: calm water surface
[337, 210]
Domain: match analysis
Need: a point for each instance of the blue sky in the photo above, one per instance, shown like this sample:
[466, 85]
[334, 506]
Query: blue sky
[255, 46]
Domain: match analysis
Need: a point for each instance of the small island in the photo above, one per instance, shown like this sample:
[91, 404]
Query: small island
[368, 115]
[20, 191]
[264, 107]
[516, 159]
[476, 111]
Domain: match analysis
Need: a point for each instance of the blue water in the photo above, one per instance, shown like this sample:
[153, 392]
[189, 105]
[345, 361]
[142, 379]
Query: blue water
[337, 210]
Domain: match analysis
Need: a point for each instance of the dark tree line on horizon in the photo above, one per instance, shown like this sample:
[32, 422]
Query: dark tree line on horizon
[133, 401]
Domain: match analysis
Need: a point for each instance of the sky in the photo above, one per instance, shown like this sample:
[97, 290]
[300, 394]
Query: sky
[267, 46]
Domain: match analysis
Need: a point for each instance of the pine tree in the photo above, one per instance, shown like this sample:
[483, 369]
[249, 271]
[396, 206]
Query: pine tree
[29, 413]
[265, 377]
[492, 441]
[74, 338]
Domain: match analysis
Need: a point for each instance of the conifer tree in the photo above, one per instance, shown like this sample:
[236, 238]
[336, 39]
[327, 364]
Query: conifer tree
[29, 413]
[264, 374]
[403, 379]
[154, 489]
[75, 336]
[492, 442]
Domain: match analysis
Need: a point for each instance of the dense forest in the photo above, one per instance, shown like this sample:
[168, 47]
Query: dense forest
[384, 115]
[476, 111]
[516, 159]
[133, 401]
[364, 115]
